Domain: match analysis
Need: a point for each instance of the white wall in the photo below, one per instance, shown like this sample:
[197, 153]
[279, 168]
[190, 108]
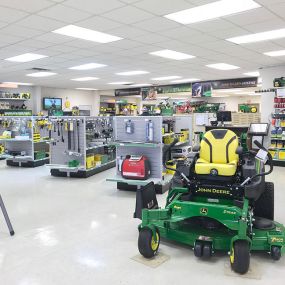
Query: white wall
[76, 97]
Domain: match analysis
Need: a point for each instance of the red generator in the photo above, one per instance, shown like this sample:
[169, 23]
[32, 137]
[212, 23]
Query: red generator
[136, 167]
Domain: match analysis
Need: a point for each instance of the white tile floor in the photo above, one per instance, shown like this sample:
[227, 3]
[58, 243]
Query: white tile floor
[81, 231]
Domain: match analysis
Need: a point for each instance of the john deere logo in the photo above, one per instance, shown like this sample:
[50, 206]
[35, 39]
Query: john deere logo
[276, 239]
[204, 211]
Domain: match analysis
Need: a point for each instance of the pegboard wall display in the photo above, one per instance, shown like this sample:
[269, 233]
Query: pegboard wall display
[24, 141]
[81, 146]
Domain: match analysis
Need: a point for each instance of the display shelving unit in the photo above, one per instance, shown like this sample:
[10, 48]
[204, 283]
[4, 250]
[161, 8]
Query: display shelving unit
[136, 144]
[277, 147]
[27, 140]
[89, 136]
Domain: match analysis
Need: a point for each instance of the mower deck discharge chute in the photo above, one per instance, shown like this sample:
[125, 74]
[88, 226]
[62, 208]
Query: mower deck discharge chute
[224, 204]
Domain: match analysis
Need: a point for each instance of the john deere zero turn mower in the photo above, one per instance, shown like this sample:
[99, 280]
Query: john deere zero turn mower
[224, 204]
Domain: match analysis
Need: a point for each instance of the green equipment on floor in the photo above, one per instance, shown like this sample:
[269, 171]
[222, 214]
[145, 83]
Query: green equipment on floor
[224, 204]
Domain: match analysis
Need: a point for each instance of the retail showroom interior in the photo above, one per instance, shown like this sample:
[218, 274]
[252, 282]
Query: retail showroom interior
[142, 142]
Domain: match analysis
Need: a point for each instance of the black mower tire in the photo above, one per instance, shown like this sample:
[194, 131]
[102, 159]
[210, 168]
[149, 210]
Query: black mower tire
[198, 249]
[207, 250]
[147, 246]
[264, 206]
[240, 256]
[275, 252]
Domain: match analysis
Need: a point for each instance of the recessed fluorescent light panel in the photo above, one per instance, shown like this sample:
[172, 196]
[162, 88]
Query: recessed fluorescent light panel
[172, 54]
[88, 66]
[141, 85]
[87, 89]
[135, 72]
[86, 34]
[252, 73]
[222, 66]
[185, 80]
[212, 11]
[85, 78]
[41, 74]
[20, 83]
[258, 37]
[166, 78]
[120, 83]
[26, 57]
[276, 53]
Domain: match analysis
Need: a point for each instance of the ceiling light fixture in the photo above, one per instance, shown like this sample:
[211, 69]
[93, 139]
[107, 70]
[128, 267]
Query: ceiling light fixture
[166, 78]
[258, 37]
[222, 66]
[172, 54]
[26, 57]
[141, 85]
[88, 78]
[86, 89]
[252, 73]
[88, 66]
[212, 11]
[86, 34]
[41, 74]
[276, 53]
[185, 80]
[135, 72]
[120, 83]
[20, 83]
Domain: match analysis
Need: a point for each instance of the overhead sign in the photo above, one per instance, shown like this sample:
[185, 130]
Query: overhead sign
[128, 92]
[235, 83]
[202, 89]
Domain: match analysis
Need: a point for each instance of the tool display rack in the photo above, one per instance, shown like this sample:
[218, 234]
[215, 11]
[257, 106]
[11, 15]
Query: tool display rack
[35, 139]
[136, 144]
[75, 145]
[277, 147]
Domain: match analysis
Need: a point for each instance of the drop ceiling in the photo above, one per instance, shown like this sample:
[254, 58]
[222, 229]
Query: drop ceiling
[26, 27]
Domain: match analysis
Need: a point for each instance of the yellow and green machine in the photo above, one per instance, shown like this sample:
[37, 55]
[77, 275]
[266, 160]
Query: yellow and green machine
[224, 204]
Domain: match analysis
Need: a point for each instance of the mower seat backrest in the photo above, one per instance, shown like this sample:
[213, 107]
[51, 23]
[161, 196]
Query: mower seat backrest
[218, 153]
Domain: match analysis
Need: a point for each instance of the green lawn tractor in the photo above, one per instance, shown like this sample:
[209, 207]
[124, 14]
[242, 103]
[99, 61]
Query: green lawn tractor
[223, 204]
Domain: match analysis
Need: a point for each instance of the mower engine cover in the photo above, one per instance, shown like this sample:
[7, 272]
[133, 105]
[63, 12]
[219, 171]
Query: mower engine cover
[136, 167]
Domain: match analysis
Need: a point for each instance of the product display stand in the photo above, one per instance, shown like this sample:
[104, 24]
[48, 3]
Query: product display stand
[277, 147]
[134, 137]
[24, 140]
[7, 219]
[81, 146]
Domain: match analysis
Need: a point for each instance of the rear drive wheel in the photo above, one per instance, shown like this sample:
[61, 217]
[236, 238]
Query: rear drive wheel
[240, 256]
[275, 252]
[147, 245]
[264, 206]
[207, 250]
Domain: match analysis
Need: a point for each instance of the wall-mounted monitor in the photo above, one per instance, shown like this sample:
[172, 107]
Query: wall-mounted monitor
[52, 103]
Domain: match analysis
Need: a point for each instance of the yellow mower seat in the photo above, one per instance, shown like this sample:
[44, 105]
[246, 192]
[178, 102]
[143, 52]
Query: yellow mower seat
[218, 153]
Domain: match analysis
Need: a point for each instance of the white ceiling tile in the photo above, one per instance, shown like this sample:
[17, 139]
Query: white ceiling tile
[11, 15]
[163, 7]
[127, 31]
[97, 7]
[128, 15]
[181, 33]
[278, 9]
[32, 43]
[151, 38]
[64, 14]
[212, 26]
[156, 24]
[18, 31]
[30, 6]
[53, 38]
[250, 17]
[126, 44]
[40, 23]
[99, 24]
[272, 24]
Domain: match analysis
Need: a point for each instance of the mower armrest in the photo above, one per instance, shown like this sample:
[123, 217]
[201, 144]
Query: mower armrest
[196, 148]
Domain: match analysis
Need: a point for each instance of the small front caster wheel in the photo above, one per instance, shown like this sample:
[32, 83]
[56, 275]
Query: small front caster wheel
[198, 249]
[147, 244]
[240, 256]
[275, 252]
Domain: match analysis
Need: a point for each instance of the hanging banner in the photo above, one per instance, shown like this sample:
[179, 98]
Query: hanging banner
[235, 83]
[202, 89]
[128, 92]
